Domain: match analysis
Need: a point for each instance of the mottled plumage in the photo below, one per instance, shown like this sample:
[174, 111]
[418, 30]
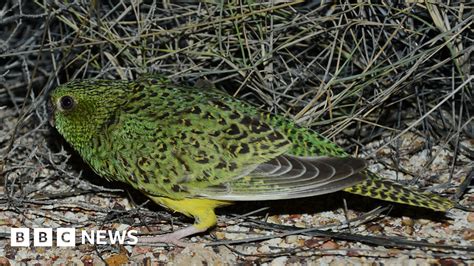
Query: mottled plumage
[195, 149]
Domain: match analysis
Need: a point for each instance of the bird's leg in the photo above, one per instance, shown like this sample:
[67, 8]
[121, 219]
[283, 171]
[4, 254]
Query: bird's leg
[173, 238]
[201, 209]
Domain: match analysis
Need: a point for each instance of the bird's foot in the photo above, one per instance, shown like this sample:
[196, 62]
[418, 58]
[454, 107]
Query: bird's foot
[173, 238]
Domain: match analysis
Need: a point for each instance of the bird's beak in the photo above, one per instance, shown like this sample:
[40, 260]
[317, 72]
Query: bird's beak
[50, 110]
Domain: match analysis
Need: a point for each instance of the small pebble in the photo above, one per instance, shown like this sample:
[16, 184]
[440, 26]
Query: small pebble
[220, 235]
[468, 234]
[409, 230]
[300, 224]
[330, 245]
[275, 219]
[280, 261]
[407, 221]
[470, 217]
[163, 257]
[122, 227]
[264, 249]
[274, 241]
[423, 221]
[87, 260]
[4, 261]
[313, 242]
[291, 239]
[375, 228]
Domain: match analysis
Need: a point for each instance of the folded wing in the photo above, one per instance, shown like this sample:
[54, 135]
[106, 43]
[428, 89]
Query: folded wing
[287, 176]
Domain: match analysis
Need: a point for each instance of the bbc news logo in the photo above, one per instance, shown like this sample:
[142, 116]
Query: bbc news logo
[66, 237]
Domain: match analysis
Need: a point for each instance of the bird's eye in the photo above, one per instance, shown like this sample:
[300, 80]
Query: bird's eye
[67, 102]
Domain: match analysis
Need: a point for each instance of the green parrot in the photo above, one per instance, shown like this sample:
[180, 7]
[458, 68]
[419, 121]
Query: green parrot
[193, 149]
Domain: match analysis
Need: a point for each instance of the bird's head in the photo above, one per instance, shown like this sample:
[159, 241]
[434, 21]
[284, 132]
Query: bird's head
[79, 109]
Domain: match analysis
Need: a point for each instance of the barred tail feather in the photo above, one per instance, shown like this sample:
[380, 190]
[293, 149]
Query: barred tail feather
[390, 191]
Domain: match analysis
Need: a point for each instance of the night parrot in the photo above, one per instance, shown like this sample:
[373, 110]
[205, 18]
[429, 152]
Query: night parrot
[194, 149]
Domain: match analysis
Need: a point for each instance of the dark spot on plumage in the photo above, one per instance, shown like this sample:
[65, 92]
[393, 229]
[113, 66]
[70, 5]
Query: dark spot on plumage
[259, 128]
[233, 148]
[124, 161]
[275, 135]
[403, 198]
[196, 110]
[153, 81]
[146, 180]
[138, 87]
[166, 180]
[186, 122]
[397, 188]
[232, 166]
[202, 160]
[375, 185]
[182, 162]
[243, 135]
[233, 130]
[129, 109]
[383, 196]
[165, 94]
[133, 178]
[176, 188]
[145, 106]
[97, 142]
[264, 146]
[207, 115]
[143, 175]
[163, 115]
[196, 132]
[221, 165]
[183, 136]
[214, 133]
[143, 160]
[162, 148]
[315, 150]
[234, 115]
[216, 147]
[436, 200]
[112, 120]
[137, 98]
[220, 104]
[202, 153]
[244, 148]
[173, 170]
[171, 104]
[222, 121]
[153, 94]
[246, 120]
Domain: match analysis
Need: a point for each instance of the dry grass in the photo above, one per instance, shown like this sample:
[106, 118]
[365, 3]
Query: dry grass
[356, 72]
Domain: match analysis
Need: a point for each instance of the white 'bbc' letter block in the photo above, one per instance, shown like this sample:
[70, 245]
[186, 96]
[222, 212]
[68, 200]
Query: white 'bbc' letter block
[20, 237]
[43, 237]
[66, 237]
